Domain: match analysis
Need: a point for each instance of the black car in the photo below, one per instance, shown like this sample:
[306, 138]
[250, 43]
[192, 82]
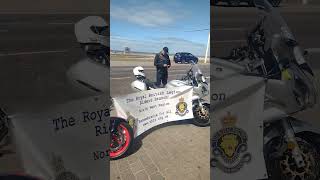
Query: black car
[185, 57]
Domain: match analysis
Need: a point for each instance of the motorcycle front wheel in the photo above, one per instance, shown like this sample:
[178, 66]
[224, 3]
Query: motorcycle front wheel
[283, 167]
[201, 116]
[121, 140]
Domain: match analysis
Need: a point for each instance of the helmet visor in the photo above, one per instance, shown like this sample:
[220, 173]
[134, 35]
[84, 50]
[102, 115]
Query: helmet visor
[100, 30]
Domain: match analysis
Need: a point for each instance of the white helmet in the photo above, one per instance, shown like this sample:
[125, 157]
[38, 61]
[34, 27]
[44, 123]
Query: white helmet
[138, 71]
[92, 30]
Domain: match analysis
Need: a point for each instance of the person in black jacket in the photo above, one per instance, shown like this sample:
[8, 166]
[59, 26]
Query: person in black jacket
[162, 63]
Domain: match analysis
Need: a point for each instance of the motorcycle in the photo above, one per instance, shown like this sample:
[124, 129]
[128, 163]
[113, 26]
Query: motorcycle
[290, 146]
[195, 78]
[122, 135]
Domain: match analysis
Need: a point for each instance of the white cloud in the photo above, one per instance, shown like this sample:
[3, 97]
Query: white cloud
[150, 14]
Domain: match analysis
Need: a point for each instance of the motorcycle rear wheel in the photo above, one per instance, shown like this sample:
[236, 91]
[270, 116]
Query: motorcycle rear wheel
[201, 116]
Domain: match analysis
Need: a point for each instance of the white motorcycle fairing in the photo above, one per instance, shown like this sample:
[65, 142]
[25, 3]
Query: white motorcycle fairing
[89, 76]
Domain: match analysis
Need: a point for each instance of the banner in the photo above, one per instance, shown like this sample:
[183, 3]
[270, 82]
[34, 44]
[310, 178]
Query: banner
[237, 129]
[68, 141]
[147, 109]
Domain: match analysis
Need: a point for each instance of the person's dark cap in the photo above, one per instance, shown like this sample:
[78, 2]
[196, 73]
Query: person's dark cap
[166, 49]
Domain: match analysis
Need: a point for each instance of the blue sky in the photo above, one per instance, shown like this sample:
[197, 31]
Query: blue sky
[148, 25]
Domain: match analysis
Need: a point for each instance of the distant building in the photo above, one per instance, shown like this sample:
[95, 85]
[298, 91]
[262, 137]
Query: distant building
[126, 50]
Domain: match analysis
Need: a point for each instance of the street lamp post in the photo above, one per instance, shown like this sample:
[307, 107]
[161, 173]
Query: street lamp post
[208, 44]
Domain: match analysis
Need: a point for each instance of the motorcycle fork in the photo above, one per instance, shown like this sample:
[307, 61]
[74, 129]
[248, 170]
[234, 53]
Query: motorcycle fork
[200, 104]
[113, 126]
[292, 144]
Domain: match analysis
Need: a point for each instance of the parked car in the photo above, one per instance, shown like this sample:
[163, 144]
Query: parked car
[184, 57]
[274, 3]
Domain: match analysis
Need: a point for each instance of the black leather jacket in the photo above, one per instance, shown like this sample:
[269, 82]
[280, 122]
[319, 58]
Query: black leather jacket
[159, 61]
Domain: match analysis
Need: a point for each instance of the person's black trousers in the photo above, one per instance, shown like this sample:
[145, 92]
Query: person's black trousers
[162, 77]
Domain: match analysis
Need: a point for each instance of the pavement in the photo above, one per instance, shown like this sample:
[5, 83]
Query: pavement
[174, 152]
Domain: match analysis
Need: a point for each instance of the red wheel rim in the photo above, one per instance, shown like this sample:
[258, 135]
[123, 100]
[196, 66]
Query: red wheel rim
[124, 131]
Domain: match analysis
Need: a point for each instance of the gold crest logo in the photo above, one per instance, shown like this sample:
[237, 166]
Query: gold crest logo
[131, 119]
[132, 122]
[181, 107]
[229, 120]
[229, 146]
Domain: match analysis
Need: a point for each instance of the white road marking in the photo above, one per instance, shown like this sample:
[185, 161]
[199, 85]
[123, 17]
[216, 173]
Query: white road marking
[33, 52]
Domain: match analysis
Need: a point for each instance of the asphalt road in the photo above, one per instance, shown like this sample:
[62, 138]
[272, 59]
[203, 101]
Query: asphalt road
[36, 50]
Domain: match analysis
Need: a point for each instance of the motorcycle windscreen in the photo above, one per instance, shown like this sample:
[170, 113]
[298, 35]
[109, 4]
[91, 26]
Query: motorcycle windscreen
[277, 33]
[147, 109]
[237, 128]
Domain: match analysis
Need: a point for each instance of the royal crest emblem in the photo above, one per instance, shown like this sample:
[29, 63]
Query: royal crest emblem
[61, 173]
[229, 146]
[181, 107]
[132, 122]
